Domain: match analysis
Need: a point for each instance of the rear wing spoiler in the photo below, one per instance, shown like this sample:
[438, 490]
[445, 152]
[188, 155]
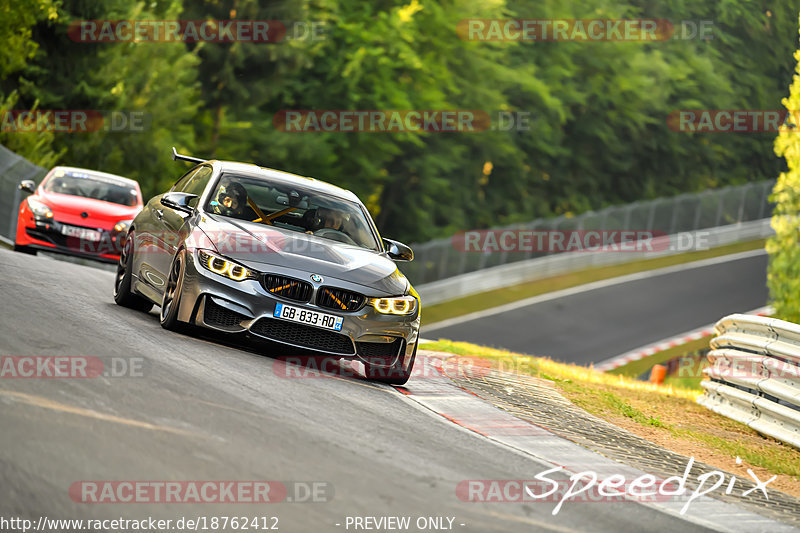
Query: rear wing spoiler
[180, 157]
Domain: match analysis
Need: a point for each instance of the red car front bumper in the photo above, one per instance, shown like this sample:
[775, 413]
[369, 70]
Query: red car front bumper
[49, 235]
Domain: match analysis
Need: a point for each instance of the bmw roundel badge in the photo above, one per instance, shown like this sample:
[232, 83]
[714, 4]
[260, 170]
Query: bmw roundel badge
[316, 278]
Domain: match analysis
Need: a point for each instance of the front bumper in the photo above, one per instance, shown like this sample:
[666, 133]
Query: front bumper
[48, 236]
[216, 302]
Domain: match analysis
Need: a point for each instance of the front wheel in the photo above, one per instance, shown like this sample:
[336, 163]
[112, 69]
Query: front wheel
[172, 294]
[122, 283]
[397, 374]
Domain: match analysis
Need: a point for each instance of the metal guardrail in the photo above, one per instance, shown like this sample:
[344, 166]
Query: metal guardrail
[524, 271]
[13, 169]
[754, 377]
[440, 259]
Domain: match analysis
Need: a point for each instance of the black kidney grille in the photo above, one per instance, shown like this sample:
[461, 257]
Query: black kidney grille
[289, 288]
[304, 336]
[340, 299]
[379, 349]
[217, 315]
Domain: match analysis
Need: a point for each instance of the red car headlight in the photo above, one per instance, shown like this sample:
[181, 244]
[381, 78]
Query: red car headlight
[40, 210]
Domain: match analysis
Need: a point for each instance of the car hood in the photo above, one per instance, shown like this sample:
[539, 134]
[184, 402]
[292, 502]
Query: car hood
[258, 246]
[68, 208]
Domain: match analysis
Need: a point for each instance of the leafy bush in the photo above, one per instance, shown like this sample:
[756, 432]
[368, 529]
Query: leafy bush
[783, 277]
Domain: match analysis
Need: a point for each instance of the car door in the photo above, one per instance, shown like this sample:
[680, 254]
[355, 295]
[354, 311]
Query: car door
[175, 223]
[167, 228]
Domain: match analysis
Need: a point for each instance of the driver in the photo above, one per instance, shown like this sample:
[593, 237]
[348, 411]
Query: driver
[231, 199]
[330, 218]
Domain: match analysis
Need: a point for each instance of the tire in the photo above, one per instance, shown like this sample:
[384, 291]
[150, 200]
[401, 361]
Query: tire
[170, 303]
[24, 249]
[122, 282]
[397, 374]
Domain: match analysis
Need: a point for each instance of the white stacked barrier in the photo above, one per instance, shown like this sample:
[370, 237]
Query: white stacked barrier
[754, 377]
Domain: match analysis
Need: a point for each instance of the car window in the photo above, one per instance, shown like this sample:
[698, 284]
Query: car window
[292, 207]
[96, 187]
[197, 183]
[181, 183]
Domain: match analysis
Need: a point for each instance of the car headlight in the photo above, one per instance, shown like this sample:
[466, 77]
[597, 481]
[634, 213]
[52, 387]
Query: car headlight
[225, 267]
[400, 305]
[122, 226]
[39, 209]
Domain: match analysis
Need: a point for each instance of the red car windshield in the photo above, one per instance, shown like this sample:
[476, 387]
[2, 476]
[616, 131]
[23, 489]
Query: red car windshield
[95, 187]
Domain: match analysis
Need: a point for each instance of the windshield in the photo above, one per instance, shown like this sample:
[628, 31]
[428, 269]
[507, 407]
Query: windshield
[93, 186]
[291, 207]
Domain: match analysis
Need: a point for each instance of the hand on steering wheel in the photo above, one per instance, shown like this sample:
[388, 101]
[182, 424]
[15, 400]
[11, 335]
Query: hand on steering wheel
[335, 235]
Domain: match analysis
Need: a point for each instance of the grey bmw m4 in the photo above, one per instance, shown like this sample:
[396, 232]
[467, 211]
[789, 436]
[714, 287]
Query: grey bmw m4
[239, 248]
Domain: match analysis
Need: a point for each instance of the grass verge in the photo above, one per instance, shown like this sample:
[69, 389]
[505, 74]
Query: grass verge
[487, 300]
[637, 368]
[664, 414]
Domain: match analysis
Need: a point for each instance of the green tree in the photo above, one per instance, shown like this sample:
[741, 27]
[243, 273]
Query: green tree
[783, 275]
[157, 79]
[238, 78]
[16, 28]
[16, 23]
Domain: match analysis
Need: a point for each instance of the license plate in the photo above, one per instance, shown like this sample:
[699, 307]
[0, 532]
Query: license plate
[304, 316]
[81, 233]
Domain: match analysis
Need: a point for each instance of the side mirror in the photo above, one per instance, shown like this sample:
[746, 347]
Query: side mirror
[397, 251]
[178, 201]
[27, 186]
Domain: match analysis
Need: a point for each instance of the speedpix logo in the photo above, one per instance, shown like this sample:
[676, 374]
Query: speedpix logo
[588, 486]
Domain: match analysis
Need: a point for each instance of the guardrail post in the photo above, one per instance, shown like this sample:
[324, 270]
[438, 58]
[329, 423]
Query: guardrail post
[741, 204]
[626, 221]
[652, 214]
[12, 222]
[698, 212]
[720, 202]
[674, 218]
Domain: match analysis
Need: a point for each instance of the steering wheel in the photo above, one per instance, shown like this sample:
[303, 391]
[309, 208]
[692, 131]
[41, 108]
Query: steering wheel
[335, 235]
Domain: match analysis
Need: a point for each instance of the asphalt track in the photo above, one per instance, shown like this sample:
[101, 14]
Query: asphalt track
[594, 325]
[215, 410]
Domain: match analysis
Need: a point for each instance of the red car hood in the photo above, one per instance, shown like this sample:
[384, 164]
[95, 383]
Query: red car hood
[103, 215]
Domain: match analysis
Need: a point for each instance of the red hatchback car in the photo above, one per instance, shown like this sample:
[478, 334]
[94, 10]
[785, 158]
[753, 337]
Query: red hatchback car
[79, 212]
